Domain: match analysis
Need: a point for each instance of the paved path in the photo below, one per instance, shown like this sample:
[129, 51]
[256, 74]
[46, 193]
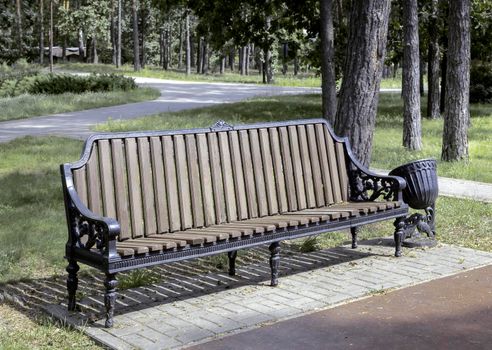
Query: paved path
[191, 306]
[451, 313]
[175, 96]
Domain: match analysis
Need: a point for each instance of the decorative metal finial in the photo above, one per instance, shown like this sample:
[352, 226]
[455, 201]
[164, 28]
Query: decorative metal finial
[221, 125]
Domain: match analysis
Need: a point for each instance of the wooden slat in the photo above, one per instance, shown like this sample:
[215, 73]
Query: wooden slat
[189, 238]
[258, 171]
[206, 180]
[342, 170]
[107, 182]
[237, 169]
[315, 166]
[195, 185]
[179, 243]
[134, 189]
[323, 159]
[294, 220]
[321, 217]
[249, 175]
[268, 170]
[80, 183]
[288, 170]
[216, 178]
[228, 177]
[221, 232]
[297, 168]
[325, 211]
[135, 250]
[121, 186]
[171, 184]
[243, 230]
[303, 218]
[306, 166]
[148, 200]
[165, 244]
[333, 163]
[94, 182]
[153, 247]
[257, 228]
[123, 252]
[208, 235]
[279, 171]
[183, 183]
[160, 192]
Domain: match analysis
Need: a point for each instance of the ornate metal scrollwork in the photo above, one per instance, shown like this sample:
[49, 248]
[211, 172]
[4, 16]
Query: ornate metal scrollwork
[87, 234]
[221, 125]
[417, 224]
[365, 187]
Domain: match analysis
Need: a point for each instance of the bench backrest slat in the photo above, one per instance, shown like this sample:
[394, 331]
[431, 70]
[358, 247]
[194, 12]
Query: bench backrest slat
[156, 183]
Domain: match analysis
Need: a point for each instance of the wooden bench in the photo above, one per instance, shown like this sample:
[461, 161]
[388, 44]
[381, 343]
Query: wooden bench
[145, 198]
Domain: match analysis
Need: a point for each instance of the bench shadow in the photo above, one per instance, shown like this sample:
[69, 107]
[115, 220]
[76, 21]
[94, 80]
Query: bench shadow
[180, 281]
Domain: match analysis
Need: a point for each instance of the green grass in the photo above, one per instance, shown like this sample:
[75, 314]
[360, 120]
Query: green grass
[26, 106]
[20, 331]
[387, 151]
[310, 79]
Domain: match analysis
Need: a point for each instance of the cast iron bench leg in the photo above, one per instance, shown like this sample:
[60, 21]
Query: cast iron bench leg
[274, 262]
[399, 225]
[232, 262]
[354, 231]
[110, 297]
[72, 284]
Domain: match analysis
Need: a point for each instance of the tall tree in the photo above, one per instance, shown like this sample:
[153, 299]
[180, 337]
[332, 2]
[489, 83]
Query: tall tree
[328, 84]
[359, 94]
[433, 57]
[118, 36]
[18, 20]
[188, 44]
[412, 129]
[41, 31]
[136, 49]
[457, 111]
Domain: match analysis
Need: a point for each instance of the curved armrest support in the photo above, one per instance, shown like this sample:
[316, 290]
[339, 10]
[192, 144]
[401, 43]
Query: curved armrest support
[366, 185]
[87, 230]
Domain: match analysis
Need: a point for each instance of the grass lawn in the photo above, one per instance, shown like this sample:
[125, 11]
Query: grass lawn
[26, 106]
[387, 151]
[302, 79]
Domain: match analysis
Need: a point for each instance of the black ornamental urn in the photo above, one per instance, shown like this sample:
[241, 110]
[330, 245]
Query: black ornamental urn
[421, 193]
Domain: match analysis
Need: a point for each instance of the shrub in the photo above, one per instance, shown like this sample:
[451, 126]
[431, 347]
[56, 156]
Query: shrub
[58, 84]
[481, 83]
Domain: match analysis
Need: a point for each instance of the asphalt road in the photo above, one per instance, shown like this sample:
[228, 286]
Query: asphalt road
[175, 96]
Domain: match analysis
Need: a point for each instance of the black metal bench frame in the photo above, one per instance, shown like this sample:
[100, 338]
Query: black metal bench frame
[99, 247]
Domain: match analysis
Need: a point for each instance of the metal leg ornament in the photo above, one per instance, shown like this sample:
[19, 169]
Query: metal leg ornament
[399, 231]
[232, 262]
[72, 284]
[416, 225]
[274, 262]
[110, 297]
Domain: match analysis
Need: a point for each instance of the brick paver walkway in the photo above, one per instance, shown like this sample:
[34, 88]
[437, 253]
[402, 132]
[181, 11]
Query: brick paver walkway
[199, 306]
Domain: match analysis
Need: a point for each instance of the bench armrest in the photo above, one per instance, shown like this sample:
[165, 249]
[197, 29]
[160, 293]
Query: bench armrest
[86, 229]
[366, 185]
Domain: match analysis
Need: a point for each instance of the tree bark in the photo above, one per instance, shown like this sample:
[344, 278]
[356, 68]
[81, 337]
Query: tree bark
[199, 58]
[356, 114]
[188, 45]
[457, 111]
[136, 49]
[95, 56]
[232, 56]
[412, 129]
[18, 12]
[433, 65]
[41, 31]
[51, 36]
[205, 59]
[268, 70]
[246, 57]
[180, 53]
[112, 33]
[328, 83]
[118, 39]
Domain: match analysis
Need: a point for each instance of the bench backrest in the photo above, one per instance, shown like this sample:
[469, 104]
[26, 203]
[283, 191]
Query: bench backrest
[158, 182]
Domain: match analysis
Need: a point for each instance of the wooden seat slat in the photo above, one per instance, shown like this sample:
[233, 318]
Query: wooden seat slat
[184, 194]
[205, 180]
[333, 165]
[315, 166]
[278, 171]
[179, 243]
[121, 188]
[165, 244]
[268, 170]
[216, 179]
[288, 169]
[171, 182]
[258, 173]
[243, 230]
[94, 183]
[257, 227]
[205, 232]
[248, 171]
[237, 170]
[207, 237]
[305, 164]
[124, 252]
[195, 185]
[189, 238]
[342, 171]
[134, 189]
[153, 247]
[146, 171]
[161, 208]
[297, 168]
[323, 160]
[319, 217]
[131, 250]
[107, 182]
[228, 177]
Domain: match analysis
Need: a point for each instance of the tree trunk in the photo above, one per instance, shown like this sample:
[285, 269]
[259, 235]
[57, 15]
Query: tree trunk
[205, 61]
[161, 49]
[180, 53]
[188, 45]
[95, 57]
[18, 13]
[41, 31]
[457, 112]
[356, 113]
[232, 56]
[328, 84]
[412, 129]
[192, 50]
[296, 65]
[136, 49]
[112, 33]
[81, 44]
[433, 65]
[421, 76]
[268, 70]
[285, 51]
[199, 58]
[246, 57]
[51, 36]
[64, 49]
[118, 39]
[444, 69]
[222, 63]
